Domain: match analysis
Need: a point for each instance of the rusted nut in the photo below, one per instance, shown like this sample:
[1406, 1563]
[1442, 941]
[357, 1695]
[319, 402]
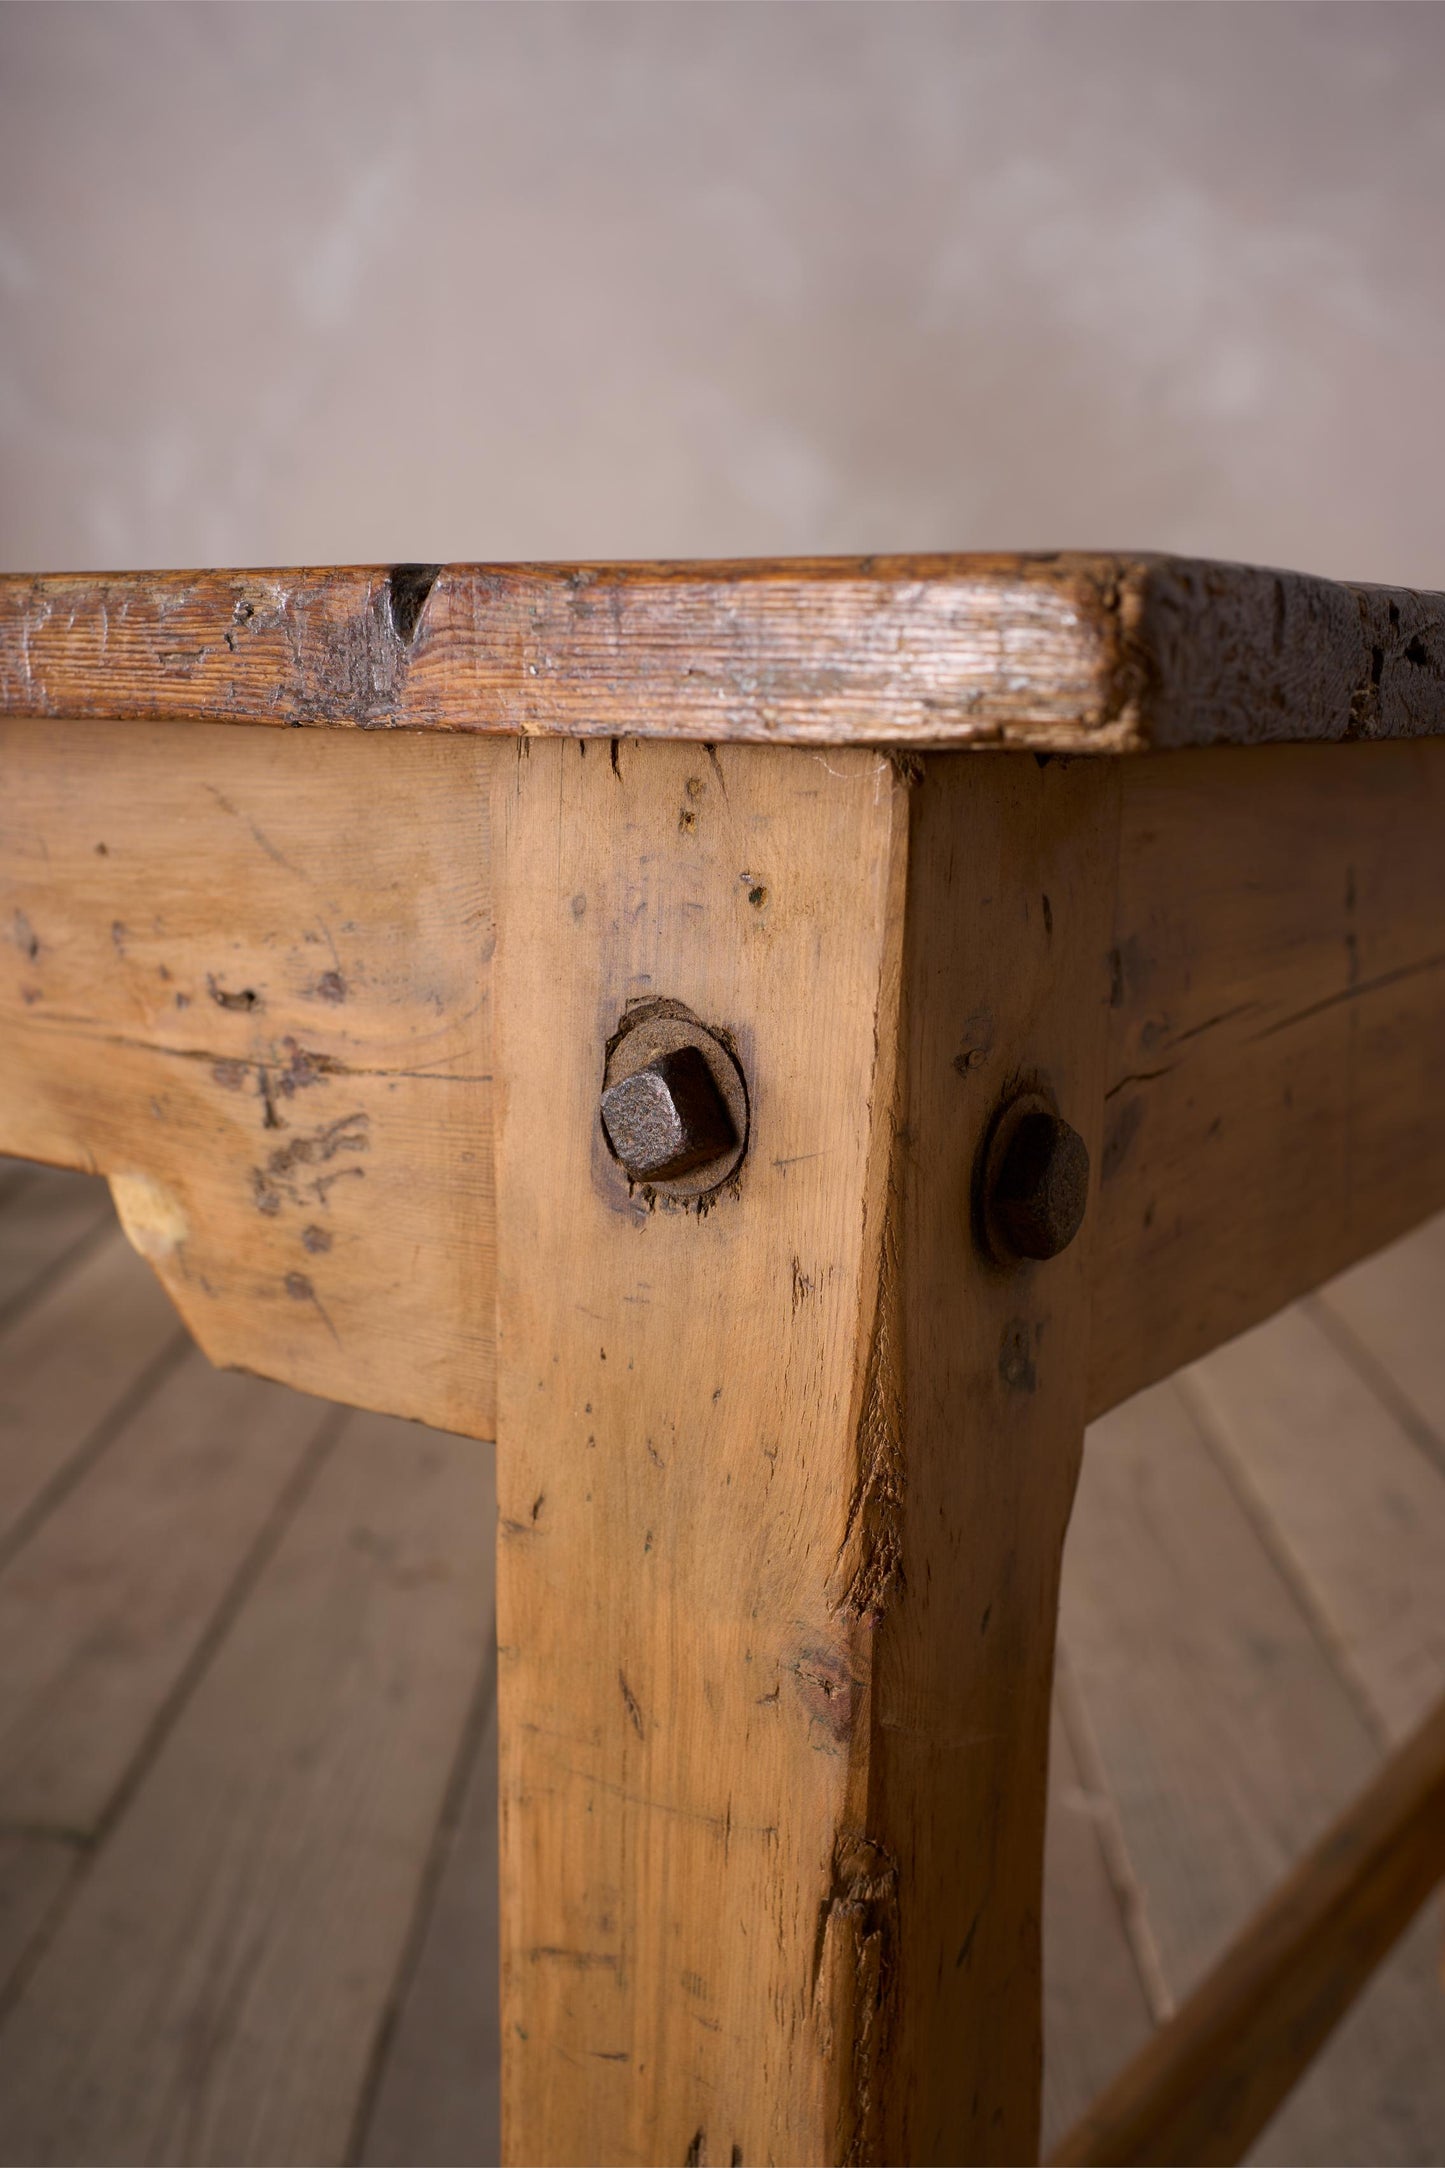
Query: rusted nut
[674, 1103]
[668, 1119]
[1035, 1181]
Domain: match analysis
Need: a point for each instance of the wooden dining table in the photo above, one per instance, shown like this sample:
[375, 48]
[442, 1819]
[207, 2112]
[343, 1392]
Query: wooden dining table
[778, 1047]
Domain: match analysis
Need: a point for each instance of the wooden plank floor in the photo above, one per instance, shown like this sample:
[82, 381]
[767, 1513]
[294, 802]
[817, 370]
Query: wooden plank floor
[247, 1721]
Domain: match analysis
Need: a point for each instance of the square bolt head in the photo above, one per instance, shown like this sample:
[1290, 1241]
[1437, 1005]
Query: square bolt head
[669, 1118]
[1041, 1186]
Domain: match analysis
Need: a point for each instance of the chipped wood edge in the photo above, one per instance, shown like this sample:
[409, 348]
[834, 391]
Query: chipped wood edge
[1064, 653]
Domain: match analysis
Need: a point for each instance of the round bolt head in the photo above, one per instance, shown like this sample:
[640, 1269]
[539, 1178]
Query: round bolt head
[1040, 1187]
[668, 1118]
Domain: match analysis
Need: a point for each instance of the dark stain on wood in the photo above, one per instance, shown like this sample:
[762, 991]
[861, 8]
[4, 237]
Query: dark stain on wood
[1123, 1127]
[283, 1180]
[827, 1690]
[1016, 1365]
[634, 1707]
[244, 997]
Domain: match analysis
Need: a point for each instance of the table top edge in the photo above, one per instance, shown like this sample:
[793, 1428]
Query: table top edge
[1062, 652]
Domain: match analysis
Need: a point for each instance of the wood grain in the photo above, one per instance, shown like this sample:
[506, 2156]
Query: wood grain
[1276, 1037]
[1061, 652]
[782, 1488]
[277, 1043]
[247, 979]
[679, 1400]
[1204, 2088]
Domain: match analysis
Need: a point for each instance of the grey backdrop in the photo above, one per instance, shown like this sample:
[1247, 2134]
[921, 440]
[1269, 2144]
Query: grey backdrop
[299, 282]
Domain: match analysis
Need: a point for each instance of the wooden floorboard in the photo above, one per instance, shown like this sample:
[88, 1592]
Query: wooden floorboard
[1386, 1314]
[438, 2096]
[72, 1365]
[104, 1609]
[45, 1216]
[36, 1870]
[215, 1989]
[1096, 2012]
[1351, 1507]
[1229, 1738]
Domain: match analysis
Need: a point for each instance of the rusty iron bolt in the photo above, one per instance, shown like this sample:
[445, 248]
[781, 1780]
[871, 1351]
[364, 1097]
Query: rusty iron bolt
[674, 1111]
[669, 1118]
[1036, 1182]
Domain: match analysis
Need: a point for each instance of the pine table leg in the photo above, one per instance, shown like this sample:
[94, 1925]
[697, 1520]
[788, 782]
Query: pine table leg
[783, 1482]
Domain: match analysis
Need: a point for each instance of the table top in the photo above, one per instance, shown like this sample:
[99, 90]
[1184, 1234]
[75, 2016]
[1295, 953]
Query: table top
[1066, 652]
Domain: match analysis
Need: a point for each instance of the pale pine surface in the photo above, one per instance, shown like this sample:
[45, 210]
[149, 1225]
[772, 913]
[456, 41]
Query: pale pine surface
[247, 1735]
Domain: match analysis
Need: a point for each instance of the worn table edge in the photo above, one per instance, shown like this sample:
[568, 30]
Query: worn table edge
[1069, 652]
